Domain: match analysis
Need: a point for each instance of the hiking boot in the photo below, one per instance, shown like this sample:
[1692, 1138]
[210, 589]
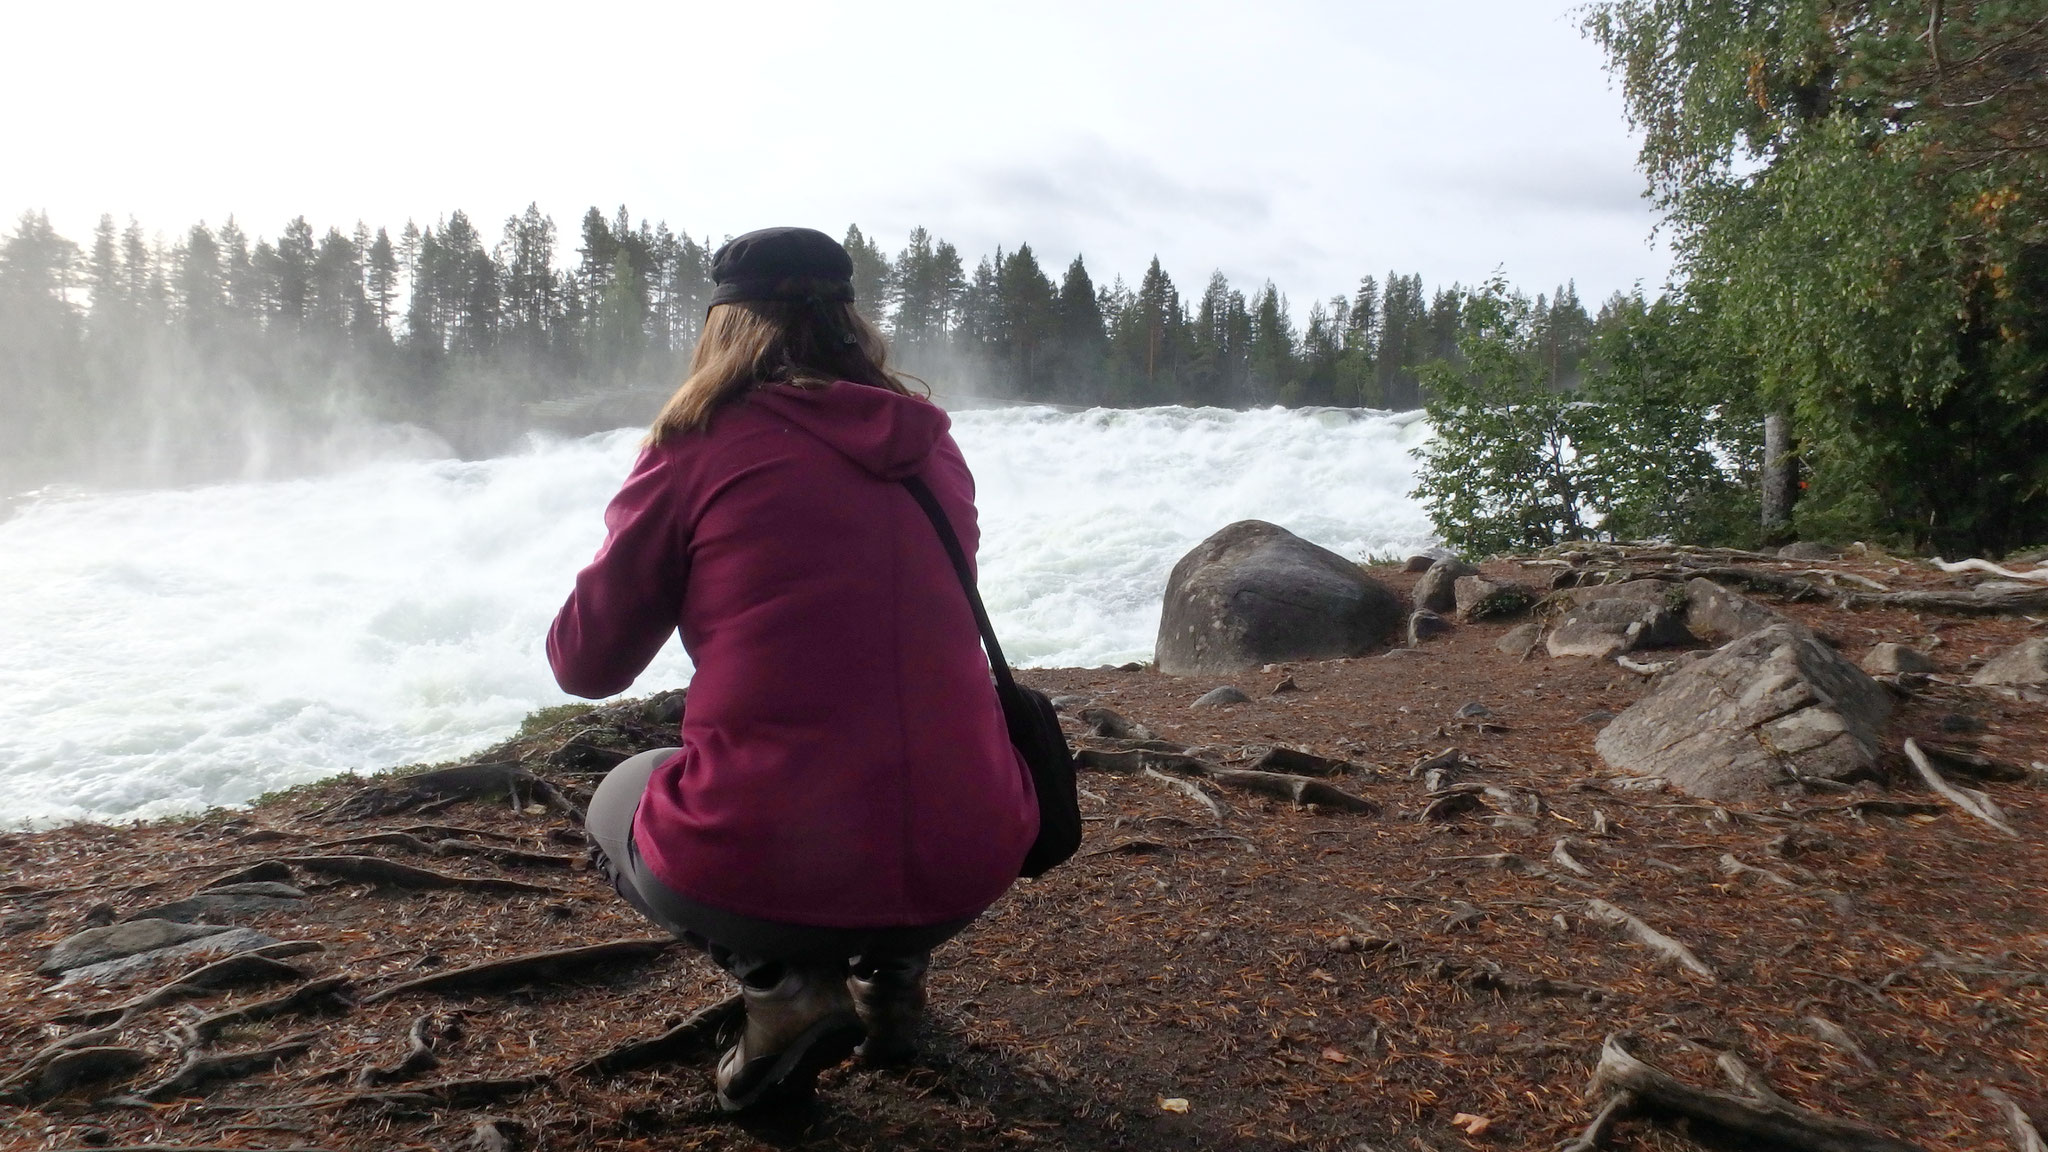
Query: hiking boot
[890, 999]
[796, 1028]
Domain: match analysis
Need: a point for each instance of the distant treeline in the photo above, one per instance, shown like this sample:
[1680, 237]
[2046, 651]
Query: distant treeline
[220, 353]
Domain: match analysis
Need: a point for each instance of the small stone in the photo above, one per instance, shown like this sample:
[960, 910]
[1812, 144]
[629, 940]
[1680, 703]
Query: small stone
[98, 945]
[1807, 550]
[1111, 725]
[1953, 722]
[1474, 711]
[1070, 702]
[1895, 659]
[1423, 624]
[1133, 666]
[1596, 716]
[99, 916]
[1218, 697]
[1520, 640]
[1437, 591]
[1418, 563]
[215, 940]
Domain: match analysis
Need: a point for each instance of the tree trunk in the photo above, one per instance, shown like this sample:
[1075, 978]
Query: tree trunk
[1781, 477]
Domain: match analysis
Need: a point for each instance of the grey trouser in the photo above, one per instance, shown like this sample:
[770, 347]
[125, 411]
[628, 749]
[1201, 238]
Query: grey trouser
[753, 950]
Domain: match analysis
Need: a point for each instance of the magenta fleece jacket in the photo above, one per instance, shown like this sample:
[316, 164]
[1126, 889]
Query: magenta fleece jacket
[844, 760]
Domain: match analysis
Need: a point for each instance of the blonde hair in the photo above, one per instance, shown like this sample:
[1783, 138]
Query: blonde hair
[754, 343]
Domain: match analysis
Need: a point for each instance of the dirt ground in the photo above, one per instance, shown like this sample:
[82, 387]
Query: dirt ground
[1277, 977]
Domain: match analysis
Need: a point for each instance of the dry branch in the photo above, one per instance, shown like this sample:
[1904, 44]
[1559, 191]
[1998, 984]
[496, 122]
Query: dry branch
[1838, 1037]
[1973, 802]
[1650, 938]
[532, 967]
[1561, 855]
[1761, 1118]
[1617, 1105]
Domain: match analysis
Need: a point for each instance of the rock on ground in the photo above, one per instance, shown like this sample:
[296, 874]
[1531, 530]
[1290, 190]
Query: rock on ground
[2027, 663]
[222, 942]
[98, 945]
[1423, 624]
[1437, 590]
[1888, 659]
[1256, 594]
[1482, 599]
[1638, 614]
[1738, 724]
[1716, 613]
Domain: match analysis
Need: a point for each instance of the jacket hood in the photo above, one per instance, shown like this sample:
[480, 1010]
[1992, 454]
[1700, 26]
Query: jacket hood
[887, 434]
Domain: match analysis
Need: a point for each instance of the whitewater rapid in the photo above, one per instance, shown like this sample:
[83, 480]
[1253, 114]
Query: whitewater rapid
[163, 651]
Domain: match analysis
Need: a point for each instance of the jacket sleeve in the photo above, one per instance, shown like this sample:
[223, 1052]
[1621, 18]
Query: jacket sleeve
[627, 601]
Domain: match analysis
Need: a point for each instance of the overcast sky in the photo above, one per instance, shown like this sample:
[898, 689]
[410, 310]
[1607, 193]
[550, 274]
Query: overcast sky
[1306, 142]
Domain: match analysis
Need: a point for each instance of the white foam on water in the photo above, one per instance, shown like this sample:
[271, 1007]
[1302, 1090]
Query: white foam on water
[164, 651]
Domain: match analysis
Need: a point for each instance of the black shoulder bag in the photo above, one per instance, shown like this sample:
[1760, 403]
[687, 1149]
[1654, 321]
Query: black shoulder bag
[1034, 726]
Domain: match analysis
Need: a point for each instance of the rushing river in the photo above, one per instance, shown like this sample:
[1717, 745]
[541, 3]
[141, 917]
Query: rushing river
[161, 651]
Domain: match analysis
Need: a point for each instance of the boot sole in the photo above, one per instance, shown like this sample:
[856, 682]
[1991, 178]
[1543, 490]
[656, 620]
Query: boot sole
[823, 1045]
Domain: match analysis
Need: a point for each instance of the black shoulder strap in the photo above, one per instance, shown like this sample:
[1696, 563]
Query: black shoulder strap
[930, 504]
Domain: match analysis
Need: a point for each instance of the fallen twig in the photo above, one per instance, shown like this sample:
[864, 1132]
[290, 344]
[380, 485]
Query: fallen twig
[2024, 1134]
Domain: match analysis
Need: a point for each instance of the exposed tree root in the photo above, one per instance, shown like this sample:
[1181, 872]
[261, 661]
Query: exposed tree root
[698, 1036]
[57, 1070]
[1295, 762]
[1561, 856]
[426, 1034]
[1837, 1037]
[201, 1069]
[2024, 1135]
[377, 870]
[1191, 790]
[320, 996]
[443, 1094]
[241, 970]
[543, 967]
[1731, 865]
[1300, 789]
[1973, 802]
[504, 857]
[1650, 938]
[1758, 1117]
[1618, 1105]
[505, 780]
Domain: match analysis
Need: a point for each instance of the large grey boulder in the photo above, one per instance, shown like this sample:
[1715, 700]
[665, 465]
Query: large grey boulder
[115, 941]
[1743, 722]
[1890, 659]
[1255, 593]
[1613, 625]
[1437, 589]
[2026, 663]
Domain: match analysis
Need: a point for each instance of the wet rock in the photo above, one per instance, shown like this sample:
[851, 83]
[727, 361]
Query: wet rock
[1423, 624]
[2026, 663]
[1807, 550]
[1521, 639]
[219, 940]
[1255, 593]
[1437, 590]
[98, 945]
[1219, 697]
[1481, 599]
[1610, 626]
[1715, 613]
[1736, 725]
[1893, 659]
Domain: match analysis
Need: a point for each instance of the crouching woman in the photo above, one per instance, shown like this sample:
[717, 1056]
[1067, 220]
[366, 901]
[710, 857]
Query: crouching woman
[845, 796]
